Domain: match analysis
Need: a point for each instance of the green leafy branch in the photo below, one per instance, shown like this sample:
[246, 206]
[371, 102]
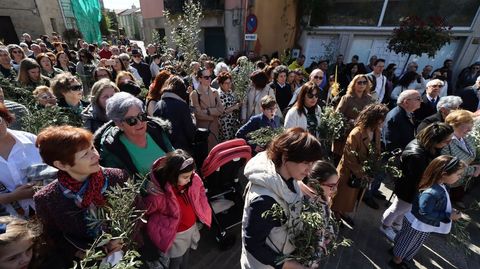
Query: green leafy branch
[263, 136]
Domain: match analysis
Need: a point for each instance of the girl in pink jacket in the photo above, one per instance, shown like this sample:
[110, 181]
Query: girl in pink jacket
[173, 212]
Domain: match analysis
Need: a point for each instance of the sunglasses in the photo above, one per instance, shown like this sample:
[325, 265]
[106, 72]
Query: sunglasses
[362, 82]
[206, 77]
[437, 86]
[132, 121]
[76, 88]
[318, 77]
[311, 95]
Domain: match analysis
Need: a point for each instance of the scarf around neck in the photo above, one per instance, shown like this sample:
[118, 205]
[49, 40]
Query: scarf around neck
[84, 193]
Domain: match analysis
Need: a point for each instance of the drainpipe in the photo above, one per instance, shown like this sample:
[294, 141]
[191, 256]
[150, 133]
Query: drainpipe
[63, 14]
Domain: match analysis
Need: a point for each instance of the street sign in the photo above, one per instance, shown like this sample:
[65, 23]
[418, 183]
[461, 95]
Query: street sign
[251, 24]
[250, 37]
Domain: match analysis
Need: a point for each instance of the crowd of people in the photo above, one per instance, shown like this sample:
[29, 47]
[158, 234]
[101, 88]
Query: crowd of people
[153, 117]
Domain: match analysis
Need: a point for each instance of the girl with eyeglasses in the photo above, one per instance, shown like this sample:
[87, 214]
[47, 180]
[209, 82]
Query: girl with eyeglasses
[432, 210]
[174, 212]
[355, 100]
[320, 187]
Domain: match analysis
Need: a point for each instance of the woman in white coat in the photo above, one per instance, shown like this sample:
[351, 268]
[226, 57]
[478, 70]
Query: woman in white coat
[305, 113]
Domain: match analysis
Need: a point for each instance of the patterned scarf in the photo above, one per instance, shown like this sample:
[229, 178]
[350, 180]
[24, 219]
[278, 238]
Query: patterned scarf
[84, 193]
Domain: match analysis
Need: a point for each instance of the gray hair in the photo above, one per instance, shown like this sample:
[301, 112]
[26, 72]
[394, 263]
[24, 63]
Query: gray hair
[119, 104]
[435, 82]
[449, 102]
[405, 95]
[124, 56]
[219, 67]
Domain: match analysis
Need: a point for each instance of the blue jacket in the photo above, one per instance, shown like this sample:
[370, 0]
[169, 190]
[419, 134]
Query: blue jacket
[430, 206]
[256, 122]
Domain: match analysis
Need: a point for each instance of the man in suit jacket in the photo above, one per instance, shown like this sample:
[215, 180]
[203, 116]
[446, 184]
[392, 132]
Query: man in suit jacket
[430, 99]
[444, 106]
[399, 127]
[379, 82]
[470, 96]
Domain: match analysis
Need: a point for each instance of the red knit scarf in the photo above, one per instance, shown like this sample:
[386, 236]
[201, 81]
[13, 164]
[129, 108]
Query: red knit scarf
[93, 194]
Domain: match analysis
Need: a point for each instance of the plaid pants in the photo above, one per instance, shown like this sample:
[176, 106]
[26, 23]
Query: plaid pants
[408, 241]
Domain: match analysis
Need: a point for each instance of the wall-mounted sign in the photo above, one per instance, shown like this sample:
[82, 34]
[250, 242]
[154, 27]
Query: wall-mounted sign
[250, 37]
[251, 24]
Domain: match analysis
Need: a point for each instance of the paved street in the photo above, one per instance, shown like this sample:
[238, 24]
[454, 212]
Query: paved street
[369, 250]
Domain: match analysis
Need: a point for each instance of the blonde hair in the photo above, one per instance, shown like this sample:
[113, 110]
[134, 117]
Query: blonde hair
[354, 80]
[123, 74]
[17, 229]
[459, 117]
[41, 89]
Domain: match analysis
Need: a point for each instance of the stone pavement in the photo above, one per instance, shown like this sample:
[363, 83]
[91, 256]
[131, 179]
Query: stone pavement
[369, 249]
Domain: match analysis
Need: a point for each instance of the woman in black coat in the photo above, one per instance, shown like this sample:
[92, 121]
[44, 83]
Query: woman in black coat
[415, 158]
[173, 106]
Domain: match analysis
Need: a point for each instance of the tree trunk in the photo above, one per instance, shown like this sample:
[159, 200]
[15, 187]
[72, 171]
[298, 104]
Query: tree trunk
[405, 65]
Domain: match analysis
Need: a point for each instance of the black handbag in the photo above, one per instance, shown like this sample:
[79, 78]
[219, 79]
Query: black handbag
[355, 182]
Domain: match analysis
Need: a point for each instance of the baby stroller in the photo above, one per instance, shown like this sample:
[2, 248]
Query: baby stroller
[220, 172]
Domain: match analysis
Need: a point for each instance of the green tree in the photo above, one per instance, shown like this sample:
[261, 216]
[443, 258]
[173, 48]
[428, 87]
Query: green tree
[105, 24]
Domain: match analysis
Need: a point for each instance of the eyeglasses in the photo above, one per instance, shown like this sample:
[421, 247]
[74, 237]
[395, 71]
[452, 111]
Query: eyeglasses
[45, 96]
[76, 88]
[332, 186]
[362, 82]
[132, 121]
[317, 77]
[311, 95]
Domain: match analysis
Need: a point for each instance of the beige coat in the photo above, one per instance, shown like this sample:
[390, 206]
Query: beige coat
[350, 106]
[207, 110]
[358, 142]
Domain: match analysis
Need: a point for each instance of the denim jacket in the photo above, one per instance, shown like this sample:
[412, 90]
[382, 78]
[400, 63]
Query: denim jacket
[430, 206]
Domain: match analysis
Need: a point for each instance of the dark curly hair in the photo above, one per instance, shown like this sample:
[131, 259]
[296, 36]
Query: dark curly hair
[371, 115]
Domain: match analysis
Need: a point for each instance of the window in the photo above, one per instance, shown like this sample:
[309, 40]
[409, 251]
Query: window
[457, 12]
[53, 22]
[347, 13]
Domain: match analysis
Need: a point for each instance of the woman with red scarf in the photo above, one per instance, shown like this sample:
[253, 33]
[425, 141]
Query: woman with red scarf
[64, 205]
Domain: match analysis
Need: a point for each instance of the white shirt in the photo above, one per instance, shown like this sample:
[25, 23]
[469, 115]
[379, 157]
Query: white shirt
[23, 154]
[380, 87]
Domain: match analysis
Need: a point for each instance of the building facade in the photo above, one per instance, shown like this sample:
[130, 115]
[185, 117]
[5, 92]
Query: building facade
[36, 17]
[362, 28]
[223, 25]
[131, 21]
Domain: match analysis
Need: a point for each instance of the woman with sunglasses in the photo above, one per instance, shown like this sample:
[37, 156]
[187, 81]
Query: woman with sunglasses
[131, 140]
[415, 158]
[355, 100]
[17, 55]
[207, 106]
[173, 213]
[305, 113]
[365, 136]
[64, 206]
[46, 66]
[69, 93]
